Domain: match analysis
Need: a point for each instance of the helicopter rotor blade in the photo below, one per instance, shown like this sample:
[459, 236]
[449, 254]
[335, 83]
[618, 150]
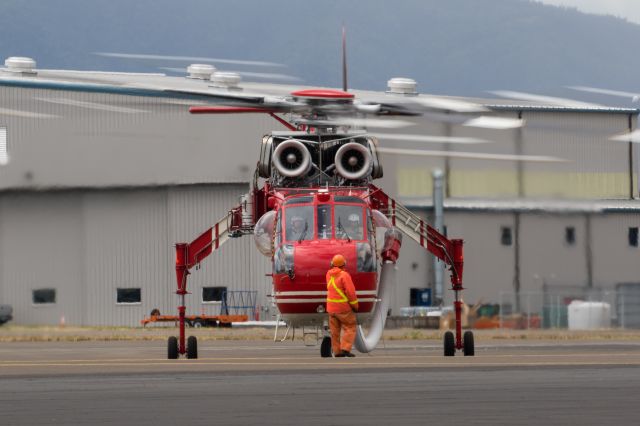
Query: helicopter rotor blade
[633, 96]
[143, 56]
[633, 137]
[448, 104]
[471, 155]
[429, 138]
[549, 100]
[419, 104]
[358, 122]
[496, 123]
[264, 76]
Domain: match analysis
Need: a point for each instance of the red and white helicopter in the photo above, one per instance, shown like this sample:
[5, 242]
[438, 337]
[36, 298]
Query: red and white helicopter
[313, 193]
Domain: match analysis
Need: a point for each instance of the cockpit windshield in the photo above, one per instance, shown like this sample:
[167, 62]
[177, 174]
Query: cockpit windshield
[348, 222]
[299, 223]
[324, 222]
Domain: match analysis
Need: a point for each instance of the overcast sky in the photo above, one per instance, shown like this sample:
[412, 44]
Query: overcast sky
[629, 9]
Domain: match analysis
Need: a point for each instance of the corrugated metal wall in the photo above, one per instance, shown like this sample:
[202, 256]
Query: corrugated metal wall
[71, 139]
[547, 258]
[488, 267]
[600, 256]
[237, 265]
[86, 244]
[41, 246]
[595, 167]
[615, 261]
[126, 247]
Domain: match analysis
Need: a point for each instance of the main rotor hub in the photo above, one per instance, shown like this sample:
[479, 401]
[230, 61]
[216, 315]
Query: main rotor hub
[322, 94]
[323, 97]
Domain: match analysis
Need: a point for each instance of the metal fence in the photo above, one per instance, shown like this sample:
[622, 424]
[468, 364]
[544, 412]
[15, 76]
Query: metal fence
[572, 307]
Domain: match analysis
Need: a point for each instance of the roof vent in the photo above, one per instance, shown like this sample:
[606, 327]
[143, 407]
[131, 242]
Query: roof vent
[200, 71]
[402, 86]
[20, 65]
[229, 80]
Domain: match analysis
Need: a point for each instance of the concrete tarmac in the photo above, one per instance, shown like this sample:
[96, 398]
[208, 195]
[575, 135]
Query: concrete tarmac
[260, 382]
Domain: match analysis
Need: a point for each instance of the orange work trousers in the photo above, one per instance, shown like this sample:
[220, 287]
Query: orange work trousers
[343, 331]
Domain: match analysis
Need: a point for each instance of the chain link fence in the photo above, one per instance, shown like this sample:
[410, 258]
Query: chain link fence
[562, 307]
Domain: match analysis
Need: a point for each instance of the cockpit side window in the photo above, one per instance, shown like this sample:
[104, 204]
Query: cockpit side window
[348, 222]
[278, 236]
[299, 223]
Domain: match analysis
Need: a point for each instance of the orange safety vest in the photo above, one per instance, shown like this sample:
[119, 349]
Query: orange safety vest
[341, 293]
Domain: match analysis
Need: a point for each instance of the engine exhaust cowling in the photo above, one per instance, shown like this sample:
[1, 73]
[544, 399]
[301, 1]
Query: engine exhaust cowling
[353, 161]
[291, 158]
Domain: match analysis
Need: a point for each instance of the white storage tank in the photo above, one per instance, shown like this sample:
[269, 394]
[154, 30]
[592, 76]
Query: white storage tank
[589, 315]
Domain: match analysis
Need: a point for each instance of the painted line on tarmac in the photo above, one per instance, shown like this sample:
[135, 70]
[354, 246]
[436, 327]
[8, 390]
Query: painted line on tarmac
[331, 363]
[116, 361]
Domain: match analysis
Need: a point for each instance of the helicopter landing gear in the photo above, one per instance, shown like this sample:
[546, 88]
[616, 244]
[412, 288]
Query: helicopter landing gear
[325, 347]
[178, 346]
[459, 342]
[192, 347]
[449, 344]
[172, 348]
[468, 345]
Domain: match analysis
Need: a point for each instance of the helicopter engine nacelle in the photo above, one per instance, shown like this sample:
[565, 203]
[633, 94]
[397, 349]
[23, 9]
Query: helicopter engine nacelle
[266, 154]
[353, 161]
[291, 158]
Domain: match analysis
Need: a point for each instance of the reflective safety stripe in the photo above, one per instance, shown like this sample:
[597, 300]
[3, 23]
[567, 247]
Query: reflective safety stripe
[332, 282]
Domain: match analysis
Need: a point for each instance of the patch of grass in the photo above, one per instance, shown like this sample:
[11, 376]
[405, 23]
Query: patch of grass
[18, 333]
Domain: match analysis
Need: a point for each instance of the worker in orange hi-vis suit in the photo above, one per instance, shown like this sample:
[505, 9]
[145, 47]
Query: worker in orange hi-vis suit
[342, 305]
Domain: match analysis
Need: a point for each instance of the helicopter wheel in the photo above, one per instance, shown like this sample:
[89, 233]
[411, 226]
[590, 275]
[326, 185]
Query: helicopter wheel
[469, 349]
[192, 347]
[172, 348]
[449, 344]
[325, 347]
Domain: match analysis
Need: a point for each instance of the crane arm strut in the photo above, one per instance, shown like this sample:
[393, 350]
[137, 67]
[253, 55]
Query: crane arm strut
[450, 251]
[414, 227]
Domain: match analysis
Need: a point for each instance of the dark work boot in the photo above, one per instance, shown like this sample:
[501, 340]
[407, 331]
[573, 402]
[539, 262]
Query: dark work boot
[339, 355]
[348, 354]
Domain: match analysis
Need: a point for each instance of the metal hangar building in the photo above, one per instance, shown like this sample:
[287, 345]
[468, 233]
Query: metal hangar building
[96, 188]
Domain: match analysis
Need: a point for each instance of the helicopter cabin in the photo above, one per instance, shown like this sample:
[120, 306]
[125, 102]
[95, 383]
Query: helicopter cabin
[309, 230]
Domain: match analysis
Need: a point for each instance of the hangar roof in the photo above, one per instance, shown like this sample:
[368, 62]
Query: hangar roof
[532, 205]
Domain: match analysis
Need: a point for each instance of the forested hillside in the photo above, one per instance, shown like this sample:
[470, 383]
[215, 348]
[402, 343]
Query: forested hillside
[458, 47]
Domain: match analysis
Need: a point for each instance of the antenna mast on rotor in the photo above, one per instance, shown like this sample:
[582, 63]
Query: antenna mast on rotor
[344, 58]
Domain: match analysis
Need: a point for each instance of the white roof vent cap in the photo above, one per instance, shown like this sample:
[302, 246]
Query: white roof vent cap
[20, 64]
[200, 71]
[230, 80]
[403, 86]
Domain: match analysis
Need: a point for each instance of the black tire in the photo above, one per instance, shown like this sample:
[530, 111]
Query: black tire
[468, 345]
[449, 344]
[155, 312]
[325, 347]
[172, 348]
[192, 347]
